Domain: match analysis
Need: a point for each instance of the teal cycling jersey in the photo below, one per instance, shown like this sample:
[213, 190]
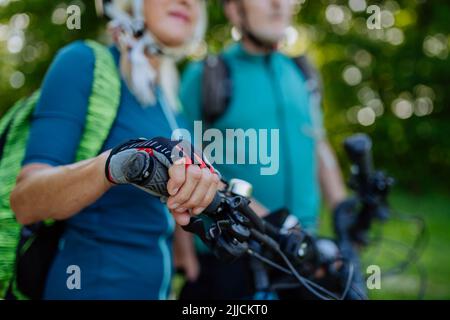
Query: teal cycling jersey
[269, 94]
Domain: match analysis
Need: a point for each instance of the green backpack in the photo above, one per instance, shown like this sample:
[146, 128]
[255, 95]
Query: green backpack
[14, 130]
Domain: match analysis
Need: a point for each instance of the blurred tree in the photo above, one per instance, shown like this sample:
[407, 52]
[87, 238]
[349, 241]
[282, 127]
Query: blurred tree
[31, 31]
[390, 83]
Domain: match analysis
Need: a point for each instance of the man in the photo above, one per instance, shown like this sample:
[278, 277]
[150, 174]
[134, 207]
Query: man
[269, 91]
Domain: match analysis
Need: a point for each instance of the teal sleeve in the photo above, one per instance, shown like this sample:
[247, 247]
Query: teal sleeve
[58, 120]
[191, 92]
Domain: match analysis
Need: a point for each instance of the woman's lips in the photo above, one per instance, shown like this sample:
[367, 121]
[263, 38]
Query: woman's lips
[181, 16]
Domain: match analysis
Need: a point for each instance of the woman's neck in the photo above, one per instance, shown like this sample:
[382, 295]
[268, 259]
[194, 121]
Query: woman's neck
[155, 62]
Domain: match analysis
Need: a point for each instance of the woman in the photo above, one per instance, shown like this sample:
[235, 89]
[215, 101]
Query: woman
[117, 235]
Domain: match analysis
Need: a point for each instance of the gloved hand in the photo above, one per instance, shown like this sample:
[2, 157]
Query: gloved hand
[344, 218]
[180, 176]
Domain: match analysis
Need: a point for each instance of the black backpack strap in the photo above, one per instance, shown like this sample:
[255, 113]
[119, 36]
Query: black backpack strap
[315, 88]
[313, 78]
[216, 88]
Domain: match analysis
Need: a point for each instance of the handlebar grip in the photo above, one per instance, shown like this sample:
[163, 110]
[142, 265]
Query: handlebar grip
[157, 178]
[147, 172]
[359, 150]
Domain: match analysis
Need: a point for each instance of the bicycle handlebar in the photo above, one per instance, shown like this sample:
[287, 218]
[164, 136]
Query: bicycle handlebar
[236, 226]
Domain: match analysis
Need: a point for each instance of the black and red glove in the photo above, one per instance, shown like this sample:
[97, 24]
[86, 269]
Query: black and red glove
[145, 163]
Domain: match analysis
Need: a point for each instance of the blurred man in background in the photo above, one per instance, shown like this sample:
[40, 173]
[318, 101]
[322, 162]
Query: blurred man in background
[253, 85]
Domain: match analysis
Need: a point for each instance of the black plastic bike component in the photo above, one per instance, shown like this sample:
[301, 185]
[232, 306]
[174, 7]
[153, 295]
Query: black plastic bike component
[371, 187]
[359, 151]
[235, 229]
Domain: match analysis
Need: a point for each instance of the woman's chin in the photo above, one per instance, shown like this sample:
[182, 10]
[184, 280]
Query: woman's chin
[173, 42]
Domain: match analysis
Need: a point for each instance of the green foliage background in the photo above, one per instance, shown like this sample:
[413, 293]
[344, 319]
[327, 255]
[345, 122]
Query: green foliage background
[407, 59]
[416, 150]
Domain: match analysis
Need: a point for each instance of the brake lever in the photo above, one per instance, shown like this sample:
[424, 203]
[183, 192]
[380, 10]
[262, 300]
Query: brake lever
[197, 226]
